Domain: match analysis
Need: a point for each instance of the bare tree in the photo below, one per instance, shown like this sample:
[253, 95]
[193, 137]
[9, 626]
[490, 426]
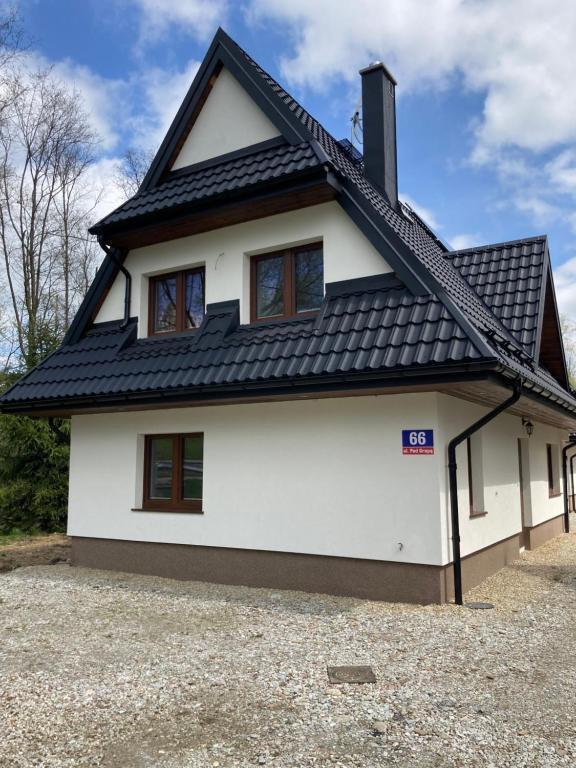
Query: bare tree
[46, 146]
[568, 327]
[11, 36]
[132, 170]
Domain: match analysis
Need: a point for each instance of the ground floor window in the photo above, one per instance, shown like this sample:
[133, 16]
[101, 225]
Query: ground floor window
[475, 475]
[553, 464]
[173, 472]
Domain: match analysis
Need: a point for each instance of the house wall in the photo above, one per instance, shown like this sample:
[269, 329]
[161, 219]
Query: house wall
[501, 476]
[225, 254]
[229, 120]
[324, 477]
[542, 506]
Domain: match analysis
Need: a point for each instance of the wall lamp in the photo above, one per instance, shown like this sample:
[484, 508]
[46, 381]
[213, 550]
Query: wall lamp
[528, 426]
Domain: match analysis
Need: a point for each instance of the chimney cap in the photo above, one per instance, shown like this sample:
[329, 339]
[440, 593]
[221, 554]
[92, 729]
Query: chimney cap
[379, 65]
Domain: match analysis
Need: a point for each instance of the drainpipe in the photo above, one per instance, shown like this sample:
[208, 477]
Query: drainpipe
[573, 494]
[111, 252]
[453, 484]
[571, 444]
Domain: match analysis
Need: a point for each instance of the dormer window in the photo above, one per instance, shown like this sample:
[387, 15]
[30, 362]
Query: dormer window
[176, 301]
[287, 283]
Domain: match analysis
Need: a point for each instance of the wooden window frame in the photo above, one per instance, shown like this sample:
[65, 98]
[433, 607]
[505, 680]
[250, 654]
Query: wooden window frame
[553, 481]
[180, 300]
[289, 294]
[176, 503]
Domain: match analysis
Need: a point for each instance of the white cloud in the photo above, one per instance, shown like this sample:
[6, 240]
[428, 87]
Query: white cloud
[460, 242]
[162, 94]
[105, 193]
[424, 213]
[562, 171]
[100, 96]
[195, 17]
[565, 284]
[519, 54]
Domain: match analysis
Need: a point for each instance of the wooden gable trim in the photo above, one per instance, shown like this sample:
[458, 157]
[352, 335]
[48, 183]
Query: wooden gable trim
[185, 131]
[313, 191]
[223, 52]
[551, 347]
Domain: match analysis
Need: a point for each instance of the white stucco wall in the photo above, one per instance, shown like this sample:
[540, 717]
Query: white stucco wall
[501, 476]
[542, 506]
[225, 253]
[229, 120]
[319, 476]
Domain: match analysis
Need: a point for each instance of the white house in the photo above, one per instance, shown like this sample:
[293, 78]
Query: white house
[276, 353]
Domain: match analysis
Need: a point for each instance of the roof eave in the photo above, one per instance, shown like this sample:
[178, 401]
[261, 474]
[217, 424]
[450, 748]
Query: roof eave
[342, 382]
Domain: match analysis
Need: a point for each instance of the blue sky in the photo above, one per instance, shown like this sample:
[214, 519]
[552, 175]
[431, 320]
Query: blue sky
[486, 102]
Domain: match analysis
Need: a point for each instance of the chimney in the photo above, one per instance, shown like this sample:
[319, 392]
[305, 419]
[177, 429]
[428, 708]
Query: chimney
[379, 129]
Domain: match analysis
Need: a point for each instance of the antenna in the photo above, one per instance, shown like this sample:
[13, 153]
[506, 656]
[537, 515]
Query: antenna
[356, 125]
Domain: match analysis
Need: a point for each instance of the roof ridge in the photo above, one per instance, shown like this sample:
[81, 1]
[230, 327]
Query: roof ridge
[494, 246]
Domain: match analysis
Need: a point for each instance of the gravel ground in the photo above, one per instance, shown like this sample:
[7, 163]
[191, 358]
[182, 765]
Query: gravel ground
[120, 671]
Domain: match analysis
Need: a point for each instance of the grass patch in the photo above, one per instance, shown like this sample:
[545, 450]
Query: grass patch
[17, 535]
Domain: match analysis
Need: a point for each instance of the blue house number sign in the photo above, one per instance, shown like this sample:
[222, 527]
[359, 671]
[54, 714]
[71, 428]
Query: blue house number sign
[417, 442]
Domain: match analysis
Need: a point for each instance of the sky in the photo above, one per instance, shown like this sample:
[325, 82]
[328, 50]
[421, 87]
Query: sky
[486, 102]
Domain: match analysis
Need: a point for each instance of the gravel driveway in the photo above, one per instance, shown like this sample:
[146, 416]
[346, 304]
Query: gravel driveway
[101, 669]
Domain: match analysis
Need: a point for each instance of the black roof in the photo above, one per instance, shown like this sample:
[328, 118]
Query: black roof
[215, 179]
[438, 311]
[510, 278]
[365, 326]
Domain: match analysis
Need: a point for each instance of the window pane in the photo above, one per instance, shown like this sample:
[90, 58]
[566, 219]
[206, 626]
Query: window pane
[160, 468]
[194, 311]
[165, 304]
[192, 471]
[309, 271]
[270, 287]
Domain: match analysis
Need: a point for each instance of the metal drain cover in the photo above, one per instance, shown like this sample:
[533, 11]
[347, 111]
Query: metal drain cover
[351, 675]
[479, 606]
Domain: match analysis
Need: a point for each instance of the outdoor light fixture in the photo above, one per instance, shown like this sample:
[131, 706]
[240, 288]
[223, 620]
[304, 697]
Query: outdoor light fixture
[528, 426]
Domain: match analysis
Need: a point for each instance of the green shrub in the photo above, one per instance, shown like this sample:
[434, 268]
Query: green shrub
[33, 475]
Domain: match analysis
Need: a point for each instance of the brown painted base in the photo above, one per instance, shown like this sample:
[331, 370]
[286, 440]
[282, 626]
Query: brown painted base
[479, 565]
[542, 533]
[346, 576]
[351, 577]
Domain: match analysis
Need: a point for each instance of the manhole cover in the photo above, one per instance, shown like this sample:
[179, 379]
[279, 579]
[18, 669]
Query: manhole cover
[351, 675]
[479, 606]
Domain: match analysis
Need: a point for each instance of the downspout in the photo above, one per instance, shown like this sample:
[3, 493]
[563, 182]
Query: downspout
[571, 444]
[453, 484]
[573, 494]
[128, 285]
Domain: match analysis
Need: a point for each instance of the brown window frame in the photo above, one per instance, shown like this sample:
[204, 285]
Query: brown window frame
[553, 489]
[180, 299]
[289, 295]
[176, 503]
[474, 512]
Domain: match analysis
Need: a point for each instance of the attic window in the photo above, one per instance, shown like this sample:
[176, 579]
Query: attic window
[287, 283]
[176, 301]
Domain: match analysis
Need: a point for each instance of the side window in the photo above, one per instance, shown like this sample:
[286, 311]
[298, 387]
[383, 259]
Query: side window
[176, 302]
[475, 475]
[553, 466]
[287, 283]
[173, 472]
